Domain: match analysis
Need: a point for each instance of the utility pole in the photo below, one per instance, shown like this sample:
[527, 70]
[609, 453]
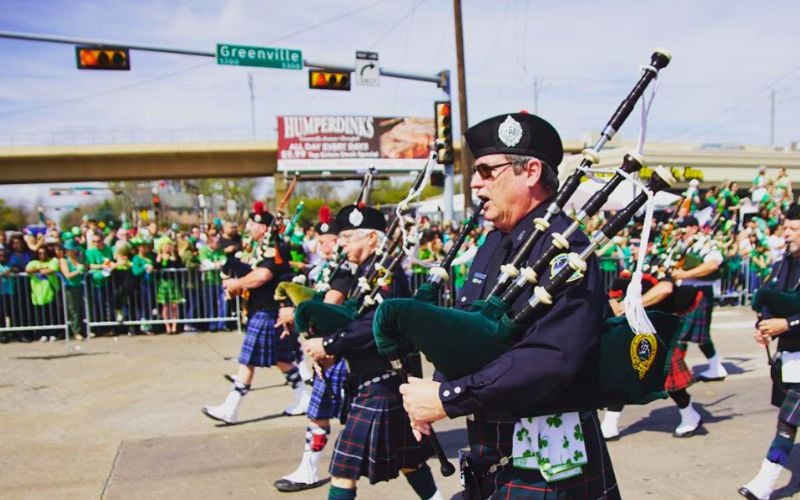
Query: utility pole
[252, 105]
[772, 119]
[466, 157]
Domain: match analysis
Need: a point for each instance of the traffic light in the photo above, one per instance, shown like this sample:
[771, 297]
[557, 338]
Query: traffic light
[444, 132]
[328, 79]
[115, 58]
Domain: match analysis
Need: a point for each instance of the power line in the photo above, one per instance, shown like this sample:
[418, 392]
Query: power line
[395, 25]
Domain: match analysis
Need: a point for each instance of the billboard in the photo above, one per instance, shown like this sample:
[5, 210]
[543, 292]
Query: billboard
[349, 144]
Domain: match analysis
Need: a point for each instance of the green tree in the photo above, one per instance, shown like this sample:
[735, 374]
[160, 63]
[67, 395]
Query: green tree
[12, 218]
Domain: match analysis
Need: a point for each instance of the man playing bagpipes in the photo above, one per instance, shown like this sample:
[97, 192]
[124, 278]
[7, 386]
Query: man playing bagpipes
[700, 269]
[326, 391]
[376, 440]
[262, 345]
[660, 295]
[516, 160]
[778, 305]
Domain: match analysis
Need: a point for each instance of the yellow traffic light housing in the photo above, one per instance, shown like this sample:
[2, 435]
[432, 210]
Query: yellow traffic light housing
[113, 58]
[328, 79]
[444, 132]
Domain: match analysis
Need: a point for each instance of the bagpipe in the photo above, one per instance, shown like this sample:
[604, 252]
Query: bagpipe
[296, 290]
[270, 245]
[317, 318]
[633, 367]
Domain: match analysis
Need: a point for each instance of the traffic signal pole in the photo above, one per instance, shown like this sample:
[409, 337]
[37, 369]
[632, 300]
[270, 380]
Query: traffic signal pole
[441, 79]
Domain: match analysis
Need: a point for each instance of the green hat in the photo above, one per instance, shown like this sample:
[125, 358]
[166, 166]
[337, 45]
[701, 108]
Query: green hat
[70, 244]
[76, 230]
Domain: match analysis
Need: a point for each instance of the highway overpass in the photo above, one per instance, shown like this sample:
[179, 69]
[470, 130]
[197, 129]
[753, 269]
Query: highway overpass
[46, 164]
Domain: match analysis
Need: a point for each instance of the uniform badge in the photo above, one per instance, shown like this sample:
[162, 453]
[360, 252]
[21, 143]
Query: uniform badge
[510, 132]
[558, 263]
[356, 217]
[257, 218]
[323, 228]
[643, 352]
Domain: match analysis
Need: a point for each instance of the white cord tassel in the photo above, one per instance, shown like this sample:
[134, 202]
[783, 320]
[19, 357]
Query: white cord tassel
[634, 309]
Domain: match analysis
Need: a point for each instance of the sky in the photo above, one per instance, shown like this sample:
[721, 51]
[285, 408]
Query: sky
[571, 62]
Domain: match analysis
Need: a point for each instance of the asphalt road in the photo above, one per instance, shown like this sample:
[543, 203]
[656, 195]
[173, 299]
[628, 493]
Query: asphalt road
[119, 418]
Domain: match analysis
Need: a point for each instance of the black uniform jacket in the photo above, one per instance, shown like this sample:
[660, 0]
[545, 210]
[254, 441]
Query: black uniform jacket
[786, 277]
[553, 367]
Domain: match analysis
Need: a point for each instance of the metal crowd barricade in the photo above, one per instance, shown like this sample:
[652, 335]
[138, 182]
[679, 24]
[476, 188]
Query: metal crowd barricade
[191, 297]
[447, 293]
[18, 313]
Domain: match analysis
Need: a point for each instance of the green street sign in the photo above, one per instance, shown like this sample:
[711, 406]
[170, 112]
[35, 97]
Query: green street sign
[265, 57]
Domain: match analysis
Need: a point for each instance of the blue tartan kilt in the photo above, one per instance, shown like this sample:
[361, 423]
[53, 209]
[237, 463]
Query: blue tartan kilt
[697, 323]
[376, 441]
[491, 441]
[326, 395]
[262, 345]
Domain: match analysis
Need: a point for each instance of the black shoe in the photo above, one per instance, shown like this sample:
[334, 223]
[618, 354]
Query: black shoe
[288, 486]
[710, 379]
[229, 378]
[747, 493]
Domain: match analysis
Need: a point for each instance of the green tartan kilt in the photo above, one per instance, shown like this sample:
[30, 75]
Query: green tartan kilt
[168, 293]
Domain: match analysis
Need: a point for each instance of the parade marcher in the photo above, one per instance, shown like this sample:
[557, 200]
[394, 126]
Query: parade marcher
[700, 269]
[376, 440]
[326, 391]
[657, 295]
[516, 161]
[786, 382]
[262, 345]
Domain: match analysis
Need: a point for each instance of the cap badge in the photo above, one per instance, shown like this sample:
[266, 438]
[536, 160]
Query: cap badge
[257, 218]
[356, 217]
[510, 132]
[323, 228]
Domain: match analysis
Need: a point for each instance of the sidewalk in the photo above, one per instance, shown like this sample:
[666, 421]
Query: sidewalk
[120, 418]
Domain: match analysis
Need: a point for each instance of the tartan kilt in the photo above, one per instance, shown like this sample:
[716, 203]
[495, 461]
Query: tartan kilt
[679, 375]
[262, 345]
[697, 323]
[326, 395]
[790, 407]
[376, 440]
[490, 441]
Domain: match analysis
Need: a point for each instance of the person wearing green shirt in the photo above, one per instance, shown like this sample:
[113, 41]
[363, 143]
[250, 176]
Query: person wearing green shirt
[141, 269]
[100, 261]
[72, 271]
[44, 285]
[212, 258]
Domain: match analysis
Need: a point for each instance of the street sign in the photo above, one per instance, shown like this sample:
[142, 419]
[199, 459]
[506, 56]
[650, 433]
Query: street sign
[368, 71]
[264, 57]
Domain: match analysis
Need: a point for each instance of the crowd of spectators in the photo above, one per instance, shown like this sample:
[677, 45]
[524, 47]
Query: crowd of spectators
[166, 279]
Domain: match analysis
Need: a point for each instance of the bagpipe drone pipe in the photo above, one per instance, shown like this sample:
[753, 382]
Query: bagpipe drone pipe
[632, 367]
[658, 60]
[429, 291]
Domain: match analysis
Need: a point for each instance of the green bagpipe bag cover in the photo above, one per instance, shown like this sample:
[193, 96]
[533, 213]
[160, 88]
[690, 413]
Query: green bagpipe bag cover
[427, 292]
[323, 318]
[456, 342]
[296, 292]
[779, 304]
[633, 367]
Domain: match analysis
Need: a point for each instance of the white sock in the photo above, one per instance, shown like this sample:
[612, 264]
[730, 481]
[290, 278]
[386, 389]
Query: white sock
[610, 425]
[764, 483]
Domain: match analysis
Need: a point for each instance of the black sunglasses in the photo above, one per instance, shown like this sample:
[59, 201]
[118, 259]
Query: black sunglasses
[486, 171]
